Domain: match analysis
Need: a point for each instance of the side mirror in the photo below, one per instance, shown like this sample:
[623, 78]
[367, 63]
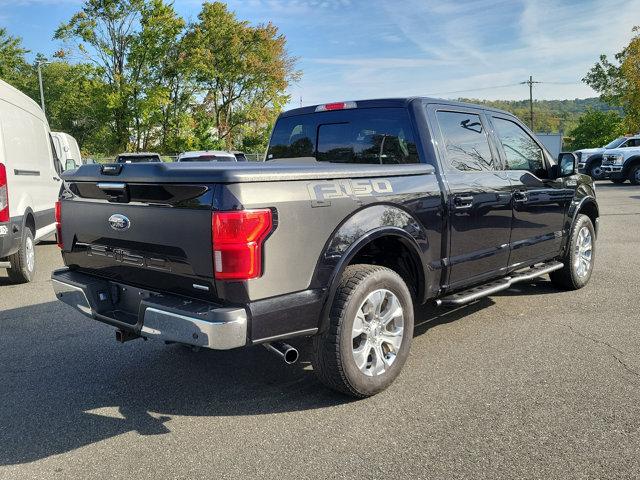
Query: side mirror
[567, 164]
[70, 164]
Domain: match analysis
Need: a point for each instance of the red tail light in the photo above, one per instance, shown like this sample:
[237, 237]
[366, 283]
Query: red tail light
[58, 215]
[237, 243]
[4, 194]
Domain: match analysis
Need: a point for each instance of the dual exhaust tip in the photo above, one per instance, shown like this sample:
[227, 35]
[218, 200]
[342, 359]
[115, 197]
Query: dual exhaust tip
[284, 351]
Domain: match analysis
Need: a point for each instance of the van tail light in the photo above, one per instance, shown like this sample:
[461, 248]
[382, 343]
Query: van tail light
[4, 194]
[237, 243]
[58, 214]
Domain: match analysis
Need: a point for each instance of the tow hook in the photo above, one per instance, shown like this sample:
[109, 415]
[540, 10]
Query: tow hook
[125, 336]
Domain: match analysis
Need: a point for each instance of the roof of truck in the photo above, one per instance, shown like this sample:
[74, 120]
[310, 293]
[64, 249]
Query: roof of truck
[394, 102]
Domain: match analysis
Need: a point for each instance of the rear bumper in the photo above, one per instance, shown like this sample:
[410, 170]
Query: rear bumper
[152, 315]
[10, 235]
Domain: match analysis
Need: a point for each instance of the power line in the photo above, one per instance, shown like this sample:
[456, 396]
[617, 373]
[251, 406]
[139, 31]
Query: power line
[530, 82]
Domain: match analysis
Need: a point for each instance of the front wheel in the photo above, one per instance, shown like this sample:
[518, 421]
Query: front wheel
[634, 175]
[579, 256]
[595, 170]
[369, 333]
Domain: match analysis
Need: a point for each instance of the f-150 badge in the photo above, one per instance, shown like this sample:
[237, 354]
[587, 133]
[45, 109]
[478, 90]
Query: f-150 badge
[328, 190]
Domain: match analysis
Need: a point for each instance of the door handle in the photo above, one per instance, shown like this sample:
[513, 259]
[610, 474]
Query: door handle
[520, 196]
[461, 202]
[56, 179]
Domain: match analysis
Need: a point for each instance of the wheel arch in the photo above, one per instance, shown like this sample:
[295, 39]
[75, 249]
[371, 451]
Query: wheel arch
[369, 236]
[629, 164]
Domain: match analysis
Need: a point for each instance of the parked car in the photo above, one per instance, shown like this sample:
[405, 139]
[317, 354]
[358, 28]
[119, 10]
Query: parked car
[622, 163]
[362, 210]
[29, 182]
[207, 156]
[67, 150]
[590, 159]
[138, 157]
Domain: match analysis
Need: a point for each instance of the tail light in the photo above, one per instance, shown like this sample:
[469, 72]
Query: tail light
[58, 214]
[237, 243]
[4, 195]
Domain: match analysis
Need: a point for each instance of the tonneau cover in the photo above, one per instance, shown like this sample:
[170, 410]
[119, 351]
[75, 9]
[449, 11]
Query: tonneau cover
[239, 172]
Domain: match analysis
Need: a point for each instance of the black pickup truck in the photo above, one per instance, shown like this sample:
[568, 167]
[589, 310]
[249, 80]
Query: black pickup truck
[361, 211]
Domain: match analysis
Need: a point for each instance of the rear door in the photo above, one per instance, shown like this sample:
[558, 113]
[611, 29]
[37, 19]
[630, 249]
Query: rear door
[539, 203]
[479, 200]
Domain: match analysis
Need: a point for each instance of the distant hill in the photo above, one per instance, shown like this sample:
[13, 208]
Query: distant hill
[549, 116]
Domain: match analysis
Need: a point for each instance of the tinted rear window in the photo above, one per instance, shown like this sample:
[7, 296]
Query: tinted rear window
[208, 158]
[373, 135]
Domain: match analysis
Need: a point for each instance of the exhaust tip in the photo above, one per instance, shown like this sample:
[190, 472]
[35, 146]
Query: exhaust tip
[291, 356]
[283, 350]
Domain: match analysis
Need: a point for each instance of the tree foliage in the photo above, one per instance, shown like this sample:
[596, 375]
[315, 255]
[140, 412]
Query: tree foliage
[618, 81]
[595, 129]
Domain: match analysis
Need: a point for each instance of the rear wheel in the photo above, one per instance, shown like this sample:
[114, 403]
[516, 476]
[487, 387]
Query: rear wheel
[23, 262]
[369, 334]
[634, 175]
[579, 257]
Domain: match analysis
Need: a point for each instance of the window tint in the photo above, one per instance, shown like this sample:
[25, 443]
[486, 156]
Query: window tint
[465, 141]
[374, 136]
[521, 151]
[633, 142]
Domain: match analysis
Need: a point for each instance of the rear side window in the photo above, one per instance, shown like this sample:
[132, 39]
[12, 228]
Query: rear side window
[372, 136]
[465, 141]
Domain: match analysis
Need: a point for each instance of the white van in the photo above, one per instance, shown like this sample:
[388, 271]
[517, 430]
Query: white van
[29, 182]
[67, 150]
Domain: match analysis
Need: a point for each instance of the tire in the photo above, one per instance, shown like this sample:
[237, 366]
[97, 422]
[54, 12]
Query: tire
[618, 181]
[335, 349]
[23, 262]
[595, 170]
[575, 275]
[634, 175]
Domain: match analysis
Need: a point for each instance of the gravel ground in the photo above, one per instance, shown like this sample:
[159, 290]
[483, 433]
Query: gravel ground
[530, 383]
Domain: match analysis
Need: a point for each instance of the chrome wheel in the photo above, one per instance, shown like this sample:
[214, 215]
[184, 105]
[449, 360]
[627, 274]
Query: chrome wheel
[30, 254]
[584, 252]
[636, 175]
[597, 172]
[377, 332]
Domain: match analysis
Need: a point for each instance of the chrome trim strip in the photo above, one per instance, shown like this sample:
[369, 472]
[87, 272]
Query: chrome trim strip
[111, 186]
[29, 173]
[299, 333]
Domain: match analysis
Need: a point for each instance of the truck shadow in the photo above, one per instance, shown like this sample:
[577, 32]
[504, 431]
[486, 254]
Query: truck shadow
[65, 383]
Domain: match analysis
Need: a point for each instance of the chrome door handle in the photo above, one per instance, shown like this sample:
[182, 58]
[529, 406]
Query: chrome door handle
[461, 202]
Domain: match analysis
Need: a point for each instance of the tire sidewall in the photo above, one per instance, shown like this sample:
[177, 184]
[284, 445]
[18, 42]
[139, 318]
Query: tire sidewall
[380, 279]
[582, 221]
[632, 175]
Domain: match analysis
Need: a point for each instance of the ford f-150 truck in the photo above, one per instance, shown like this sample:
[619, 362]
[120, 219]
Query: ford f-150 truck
[360, 211]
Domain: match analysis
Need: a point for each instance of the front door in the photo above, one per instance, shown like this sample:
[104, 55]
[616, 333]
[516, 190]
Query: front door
[479, 196]
[539, 203]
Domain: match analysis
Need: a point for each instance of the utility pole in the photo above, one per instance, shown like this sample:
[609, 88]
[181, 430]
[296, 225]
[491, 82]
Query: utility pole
[530, 82]
[40, 63]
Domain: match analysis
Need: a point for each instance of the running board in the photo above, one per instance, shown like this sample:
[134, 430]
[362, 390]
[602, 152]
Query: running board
[494, 286]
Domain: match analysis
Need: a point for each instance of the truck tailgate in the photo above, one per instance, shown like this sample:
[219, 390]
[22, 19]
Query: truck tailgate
[152, 236]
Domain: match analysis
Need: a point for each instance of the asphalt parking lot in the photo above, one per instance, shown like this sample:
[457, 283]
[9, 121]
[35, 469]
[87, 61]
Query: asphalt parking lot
[531, 383]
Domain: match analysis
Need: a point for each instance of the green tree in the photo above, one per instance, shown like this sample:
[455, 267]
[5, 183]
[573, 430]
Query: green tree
[243, 71]
[12, 57]
[618, 81]
[596, 129]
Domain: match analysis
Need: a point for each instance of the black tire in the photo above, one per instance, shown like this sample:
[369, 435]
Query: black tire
[569, 277]
[21, 270]
[333, 358]
[595, 169]
[634, 175]
[618, 181]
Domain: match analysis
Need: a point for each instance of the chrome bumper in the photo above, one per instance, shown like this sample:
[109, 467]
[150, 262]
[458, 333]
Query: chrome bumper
[218, 328]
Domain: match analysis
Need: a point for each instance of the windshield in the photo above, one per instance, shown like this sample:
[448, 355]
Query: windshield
[368, 135]
[615, 144]
[208, 158]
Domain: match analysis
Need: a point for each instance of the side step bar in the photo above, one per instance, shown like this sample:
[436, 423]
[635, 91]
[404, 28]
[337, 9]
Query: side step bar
[474, 293]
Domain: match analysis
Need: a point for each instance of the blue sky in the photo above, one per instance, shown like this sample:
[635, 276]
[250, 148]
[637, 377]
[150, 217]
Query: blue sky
[352, 49]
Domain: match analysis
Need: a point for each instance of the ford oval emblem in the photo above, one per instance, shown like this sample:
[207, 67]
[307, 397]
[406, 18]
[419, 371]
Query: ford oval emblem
[119, 222]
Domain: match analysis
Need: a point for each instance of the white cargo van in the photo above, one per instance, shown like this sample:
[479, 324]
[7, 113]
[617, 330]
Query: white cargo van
[29, 182]
[67, 150]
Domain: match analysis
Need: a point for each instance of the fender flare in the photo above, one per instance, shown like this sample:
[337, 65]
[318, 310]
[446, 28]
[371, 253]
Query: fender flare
[417, 245]
[572, 215]
[630, 163]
